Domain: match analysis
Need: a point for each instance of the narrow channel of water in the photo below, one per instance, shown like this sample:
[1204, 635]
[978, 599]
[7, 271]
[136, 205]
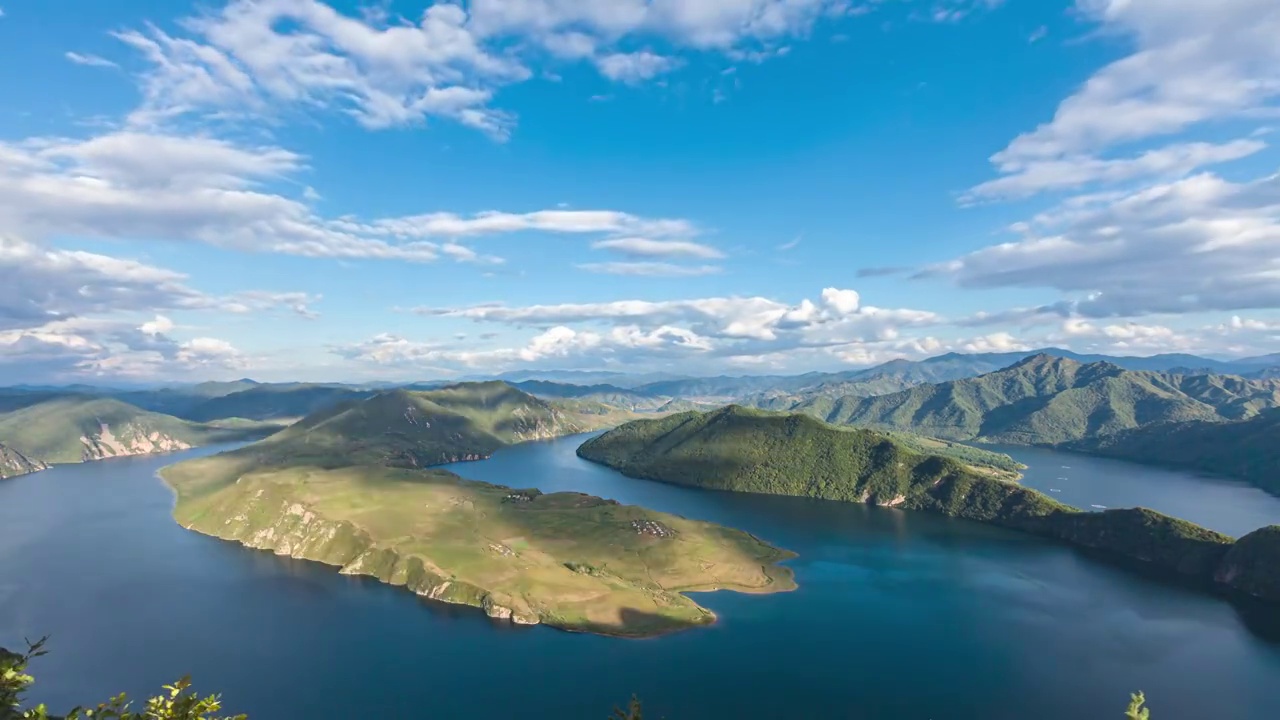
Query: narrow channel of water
[1229, 506]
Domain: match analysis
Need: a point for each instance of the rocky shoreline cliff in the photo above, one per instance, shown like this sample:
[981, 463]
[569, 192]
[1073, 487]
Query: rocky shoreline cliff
[14, 463]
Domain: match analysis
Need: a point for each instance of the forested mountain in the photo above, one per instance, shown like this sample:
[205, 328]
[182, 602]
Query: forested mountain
[743, 450]
[1245, 449]
[1047, 400]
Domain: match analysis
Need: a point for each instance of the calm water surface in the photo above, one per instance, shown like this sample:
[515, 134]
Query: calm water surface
[1230, 506]
[898, 616]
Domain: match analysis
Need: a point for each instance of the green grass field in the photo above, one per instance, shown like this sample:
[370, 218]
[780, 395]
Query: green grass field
[568, 560]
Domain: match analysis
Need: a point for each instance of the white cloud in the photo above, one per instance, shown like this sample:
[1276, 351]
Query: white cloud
[265, 58]
[444, 224]
[1022, 178]
[650, 269]
[1193, 62]
[708, 24]
[634, 67]
[42, 285]
[46, 285]
[1197, 244]
[645, 247]
[136, 185]
[81, 349]
[255, 54]
[839, 317]
[89, 60]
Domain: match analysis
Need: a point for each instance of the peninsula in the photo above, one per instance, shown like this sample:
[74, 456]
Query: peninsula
[350, 487]
[744, 450]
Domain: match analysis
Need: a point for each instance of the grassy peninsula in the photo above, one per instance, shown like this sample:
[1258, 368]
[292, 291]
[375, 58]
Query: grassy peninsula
[743, 450]
[350, 487]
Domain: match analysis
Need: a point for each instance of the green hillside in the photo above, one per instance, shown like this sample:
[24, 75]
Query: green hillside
[747, 450]
[74, 428]
[741, 450]
[1245, 449]
[348, 487]
[1049, 400]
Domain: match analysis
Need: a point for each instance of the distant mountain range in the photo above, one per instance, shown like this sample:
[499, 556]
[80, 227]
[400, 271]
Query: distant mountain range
[1048, 400]
[758, 390]
[781, 391]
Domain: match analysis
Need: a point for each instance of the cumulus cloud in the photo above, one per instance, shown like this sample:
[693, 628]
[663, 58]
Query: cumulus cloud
[1193, 62]
[634, 67]
[270, 57]
[77, 349]
[141, 185]
[256, 54]
[555, 344]
[45, 285]
[1023, 178]
[42, 285]
[838, 316]
[1198, 244]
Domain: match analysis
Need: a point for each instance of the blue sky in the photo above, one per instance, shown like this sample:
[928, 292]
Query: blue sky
[297, 189]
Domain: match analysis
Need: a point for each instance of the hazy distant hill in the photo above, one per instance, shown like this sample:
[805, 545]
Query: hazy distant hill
[75, 428]
[1044, 400]
[417, 429]
[602, 393]
[274, 402]
[780, 392]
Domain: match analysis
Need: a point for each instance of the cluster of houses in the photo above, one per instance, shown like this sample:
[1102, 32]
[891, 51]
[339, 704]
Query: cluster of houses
[652, 528]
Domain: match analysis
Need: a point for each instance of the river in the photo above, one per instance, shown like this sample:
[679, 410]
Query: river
[898, 615]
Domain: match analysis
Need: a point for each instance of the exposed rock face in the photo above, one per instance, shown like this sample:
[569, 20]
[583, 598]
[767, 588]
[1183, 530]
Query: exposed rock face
[127, 440]
[14, 463]
[1253, 564]
[267, 522]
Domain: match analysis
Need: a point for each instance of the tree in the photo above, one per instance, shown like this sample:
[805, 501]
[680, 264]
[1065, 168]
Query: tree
[631, 713]
[176, 703]
[1136, 710]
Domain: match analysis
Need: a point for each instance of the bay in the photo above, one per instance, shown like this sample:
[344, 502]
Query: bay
[898, 615]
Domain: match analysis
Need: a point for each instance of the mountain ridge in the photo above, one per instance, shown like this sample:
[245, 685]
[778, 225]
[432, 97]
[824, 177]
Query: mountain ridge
[740, 450]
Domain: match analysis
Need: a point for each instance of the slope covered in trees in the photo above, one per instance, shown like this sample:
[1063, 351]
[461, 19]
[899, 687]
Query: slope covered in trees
[740, 450]
[1245, 449]
[1049, 400]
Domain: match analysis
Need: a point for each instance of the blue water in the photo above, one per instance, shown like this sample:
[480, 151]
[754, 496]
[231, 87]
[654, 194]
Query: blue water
[898, 615]
[1229, 506]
